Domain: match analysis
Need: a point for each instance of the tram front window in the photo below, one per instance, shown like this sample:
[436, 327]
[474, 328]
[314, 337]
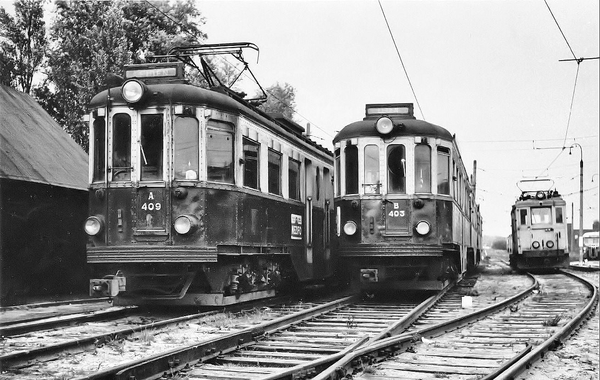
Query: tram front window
[422, 169]
[371, 181]
[541, 215]
[151, 147]
[185, 142]
[396, 156]
[121, 149]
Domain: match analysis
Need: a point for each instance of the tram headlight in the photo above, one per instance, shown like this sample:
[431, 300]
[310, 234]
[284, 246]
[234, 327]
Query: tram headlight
[185, 224]
[535, 244]
[550, 244]
[133, 91]
[350, 228]
[384, 125]
[423, 227]
[93, 225]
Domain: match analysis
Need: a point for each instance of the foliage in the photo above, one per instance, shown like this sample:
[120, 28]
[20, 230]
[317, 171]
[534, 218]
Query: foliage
[92, 39]
[281, 99]
[22, 44]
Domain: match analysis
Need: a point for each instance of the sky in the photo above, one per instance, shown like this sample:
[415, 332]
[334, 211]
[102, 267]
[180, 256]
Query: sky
[487, 71]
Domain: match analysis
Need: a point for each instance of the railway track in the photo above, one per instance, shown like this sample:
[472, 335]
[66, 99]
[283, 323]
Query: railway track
[488, 346]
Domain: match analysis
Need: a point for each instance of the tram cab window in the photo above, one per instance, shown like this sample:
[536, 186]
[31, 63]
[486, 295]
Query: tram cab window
[351, 153]
[151, 147]
[396, 156]
[541, 215]
[294, 179]
[121, 149]
[274, 172]
[559, 215]
[371, 181]
[523, 217]
[99, 149]
[219, 152]
[443, 171]
[185, 143]
[251, 166]
[422, 168]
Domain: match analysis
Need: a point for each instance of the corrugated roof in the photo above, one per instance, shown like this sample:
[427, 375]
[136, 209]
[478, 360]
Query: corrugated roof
[33, 147]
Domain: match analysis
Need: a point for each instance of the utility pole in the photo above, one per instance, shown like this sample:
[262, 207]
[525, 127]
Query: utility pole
[580, 201]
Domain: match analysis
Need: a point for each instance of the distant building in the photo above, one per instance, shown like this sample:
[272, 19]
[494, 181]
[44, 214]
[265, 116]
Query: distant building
[43, 202]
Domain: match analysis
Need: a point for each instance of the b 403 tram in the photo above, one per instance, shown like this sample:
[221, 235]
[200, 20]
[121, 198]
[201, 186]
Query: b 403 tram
[197, 197]
[405, 206]
[539, 237]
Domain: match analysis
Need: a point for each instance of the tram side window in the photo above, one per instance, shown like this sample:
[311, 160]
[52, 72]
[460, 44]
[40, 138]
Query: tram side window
[294, 179]
[541, 215]
[219, 152]
[121, 149]
[251, 166]
[371, 181]
[422, 168]
[396, 155]
[351, 153]
[185, 142]
[443, 171]
[99, 149]
[523, 217]
[274, 172]
[559, 215]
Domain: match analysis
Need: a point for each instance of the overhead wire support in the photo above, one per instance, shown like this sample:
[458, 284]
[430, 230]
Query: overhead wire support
[401, 61]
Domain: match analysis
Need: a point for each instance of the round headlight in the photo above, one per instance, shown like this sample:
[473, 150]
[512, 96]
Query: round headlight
[535, 244]
[550, 244]
[422, 227]
[184, 224]
[384, 125]
[132, 91]
[350, 228]
[93, 225]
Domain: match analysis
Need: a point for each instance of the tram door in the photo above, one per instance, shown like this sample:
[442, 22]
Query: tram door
[309, 176]
[150, 207]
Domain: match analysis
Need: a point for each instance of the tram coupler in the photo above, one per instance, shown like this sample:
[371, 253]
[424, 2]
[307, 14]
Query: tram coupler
[107, 287]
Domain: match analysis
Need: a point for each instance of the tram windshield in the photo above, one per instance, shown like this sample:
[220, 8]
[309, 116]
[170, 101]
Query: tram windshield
[371, 181]
[121, 147]
[396, 164]
[541, 215]
[151, 147]
[422, 169]
[185, 142]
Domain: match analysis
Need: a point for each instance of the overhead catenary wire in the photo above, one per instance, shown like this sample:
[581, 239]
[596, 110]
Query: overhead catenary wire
[401, 61]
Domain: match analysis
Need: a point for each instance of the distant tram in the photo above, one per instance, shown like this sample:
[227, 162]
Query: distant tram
[539, 238]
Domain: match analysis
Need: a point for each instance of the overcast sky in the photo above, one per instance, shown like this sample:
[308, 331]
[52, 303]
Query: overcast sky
[488, 71]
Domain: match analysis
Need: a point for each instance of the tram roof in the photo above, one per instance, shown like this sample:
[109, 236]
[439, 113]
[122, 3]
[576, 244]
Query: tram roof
[34, 147]
[178, 93]
[403, 127]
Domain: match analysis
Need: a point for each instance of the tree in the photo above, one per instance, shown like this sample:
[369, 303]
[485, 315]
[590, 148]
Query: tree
[280, 99]
[92, 39]
[22, 44]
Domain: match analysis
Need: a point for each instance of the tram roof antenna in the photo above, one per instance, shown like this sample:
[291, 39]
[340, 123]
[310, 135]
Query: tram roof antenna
[235, 49]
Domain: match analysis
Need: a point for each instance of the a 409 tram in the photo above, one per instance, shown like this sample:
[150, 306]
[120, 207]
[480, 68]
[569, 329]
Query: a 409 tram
[539, 237]
[405, 206]
[197, 197]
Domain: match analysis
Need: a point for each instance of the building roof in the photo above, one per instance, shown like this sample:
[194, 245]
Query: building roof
[34, 148]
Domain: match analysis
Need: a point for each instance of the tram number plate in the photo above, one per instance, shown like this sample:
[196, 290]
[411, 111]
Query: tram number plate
[151, 211]
[397, 216]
